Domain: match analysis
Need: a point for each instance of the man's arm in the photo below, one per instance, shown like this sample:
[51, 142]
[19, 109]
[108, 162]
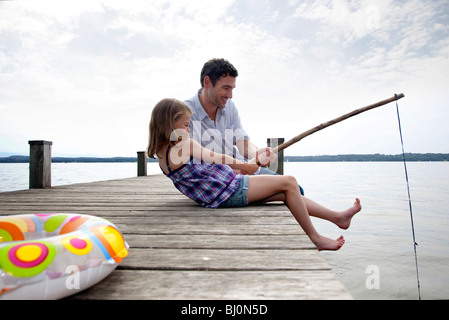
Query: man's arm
[247, 148]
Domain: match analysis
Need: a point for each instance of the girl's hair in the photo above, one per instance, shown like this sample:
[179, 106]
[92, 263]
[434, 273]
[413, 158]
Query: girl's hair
[162, 123]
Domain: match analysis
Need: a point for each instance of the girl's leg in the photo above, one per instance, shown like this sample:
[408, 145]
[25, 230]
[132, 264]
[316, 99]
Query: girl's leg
[262, 187]
[341, 218]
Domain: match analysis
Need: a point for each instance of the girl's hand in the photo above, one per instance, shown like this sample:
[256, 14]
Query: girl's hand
[245, 168]
[265, 157]
[249, 169]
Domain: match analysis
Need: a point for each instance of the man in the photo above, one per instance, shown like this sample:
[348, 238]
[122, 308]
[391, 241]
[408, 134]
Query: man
[215, 121]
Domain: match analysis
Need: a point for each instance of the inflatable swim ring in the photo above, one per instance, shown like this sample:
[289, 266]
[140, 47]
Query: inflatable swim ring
[51, 256]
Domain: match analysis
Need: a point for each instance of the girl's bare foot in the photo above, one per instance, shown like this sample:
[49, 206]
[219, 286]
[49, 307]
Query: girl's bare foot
[344, 219]
[323, 243]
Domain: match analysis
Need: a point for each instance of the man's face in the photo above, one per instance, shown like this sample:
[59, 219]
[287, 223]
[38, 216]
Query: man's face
[222, 91]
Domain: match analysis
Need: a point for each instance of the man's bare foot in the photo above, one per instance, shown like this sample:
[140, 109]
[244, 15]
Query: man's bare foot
[323, 243]
[345, 217]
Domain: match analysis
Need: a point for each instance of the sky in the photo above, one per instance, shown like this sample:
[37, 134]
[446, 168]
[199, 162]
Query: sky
[86, 74]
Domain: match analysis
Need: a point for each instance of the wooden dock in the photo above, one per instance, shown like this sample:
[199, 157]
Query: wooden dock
[179, 250]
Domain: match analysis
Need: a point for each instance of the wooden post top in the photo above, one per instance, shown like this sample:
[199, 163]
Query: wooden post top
[279, 140]
[40, 142]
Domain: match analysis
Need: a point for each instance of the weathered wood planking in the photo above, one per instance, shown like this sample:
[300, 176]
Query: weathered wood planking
[179, 250]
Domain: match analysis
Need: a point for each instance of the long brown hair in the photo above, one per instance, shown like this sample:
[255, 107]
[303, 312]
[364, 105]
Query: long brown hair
[162, 123]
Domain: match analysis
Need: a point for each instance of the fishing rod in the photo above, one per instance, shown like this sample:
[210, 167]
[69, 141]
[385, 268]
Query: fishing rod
[336, 120]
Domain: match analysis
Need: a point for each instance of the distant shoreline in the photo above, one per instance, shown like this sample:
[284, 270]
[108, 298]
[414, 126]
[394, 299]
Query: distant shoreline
[425, 157]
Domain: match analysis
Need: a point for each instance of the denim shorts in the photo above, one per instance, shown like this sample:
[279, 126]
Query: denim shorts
[240, 197]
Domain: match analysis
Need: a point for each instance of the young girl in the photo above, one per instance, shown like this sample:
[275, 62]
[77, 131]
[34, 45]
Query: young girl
[211, 180]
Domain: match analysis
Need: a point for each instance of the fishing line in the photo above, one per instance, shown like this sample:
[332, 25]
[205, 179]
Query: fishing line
[409, 199]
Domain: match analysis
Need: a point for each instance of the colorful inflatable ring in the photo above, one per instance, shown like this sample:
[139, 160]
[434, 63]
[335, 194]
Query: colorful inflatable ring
[51, 256]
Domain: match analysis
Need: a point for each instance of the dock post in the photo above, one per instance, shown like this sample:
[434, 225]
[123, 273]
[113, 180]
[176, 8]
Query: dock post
[40, 164]
[141, 164]
[278, 165]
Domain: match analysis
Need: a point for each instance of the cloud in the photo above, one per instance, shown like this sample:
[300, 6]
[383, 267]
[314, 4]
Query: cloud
[86, 74]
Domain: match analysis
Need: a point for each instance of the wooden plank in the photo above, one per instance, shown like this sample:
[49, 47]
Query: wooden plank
[202, 241]
[194, 219]
[144, 212]
[211, 230]
[229, 259]
[214, 285]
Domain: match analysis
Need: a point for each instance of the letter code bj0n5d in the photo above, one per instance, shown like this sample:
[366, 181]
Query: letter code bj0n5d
[254, 309]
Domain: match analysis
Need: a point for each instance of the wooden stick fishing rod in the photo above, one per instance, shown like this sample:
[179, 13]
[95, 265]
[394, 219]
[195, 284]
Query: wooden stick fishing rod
[336, 120]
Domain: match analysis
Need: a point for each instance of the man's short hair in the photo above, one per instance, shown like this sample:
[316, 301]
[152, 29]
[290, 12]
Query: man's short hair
[217, 68]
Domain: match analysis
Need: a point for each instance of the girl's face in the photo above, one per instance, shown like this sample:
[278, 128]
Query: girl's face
[183, 122]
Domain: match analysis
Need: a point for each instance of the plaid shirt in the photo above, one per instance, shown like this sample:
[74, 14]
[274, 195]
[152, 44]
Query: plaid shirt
[208, 184]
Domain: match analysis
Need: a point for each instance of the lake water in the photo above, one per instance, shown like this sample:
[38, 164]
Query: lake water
[377, 260]
[379, 243]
